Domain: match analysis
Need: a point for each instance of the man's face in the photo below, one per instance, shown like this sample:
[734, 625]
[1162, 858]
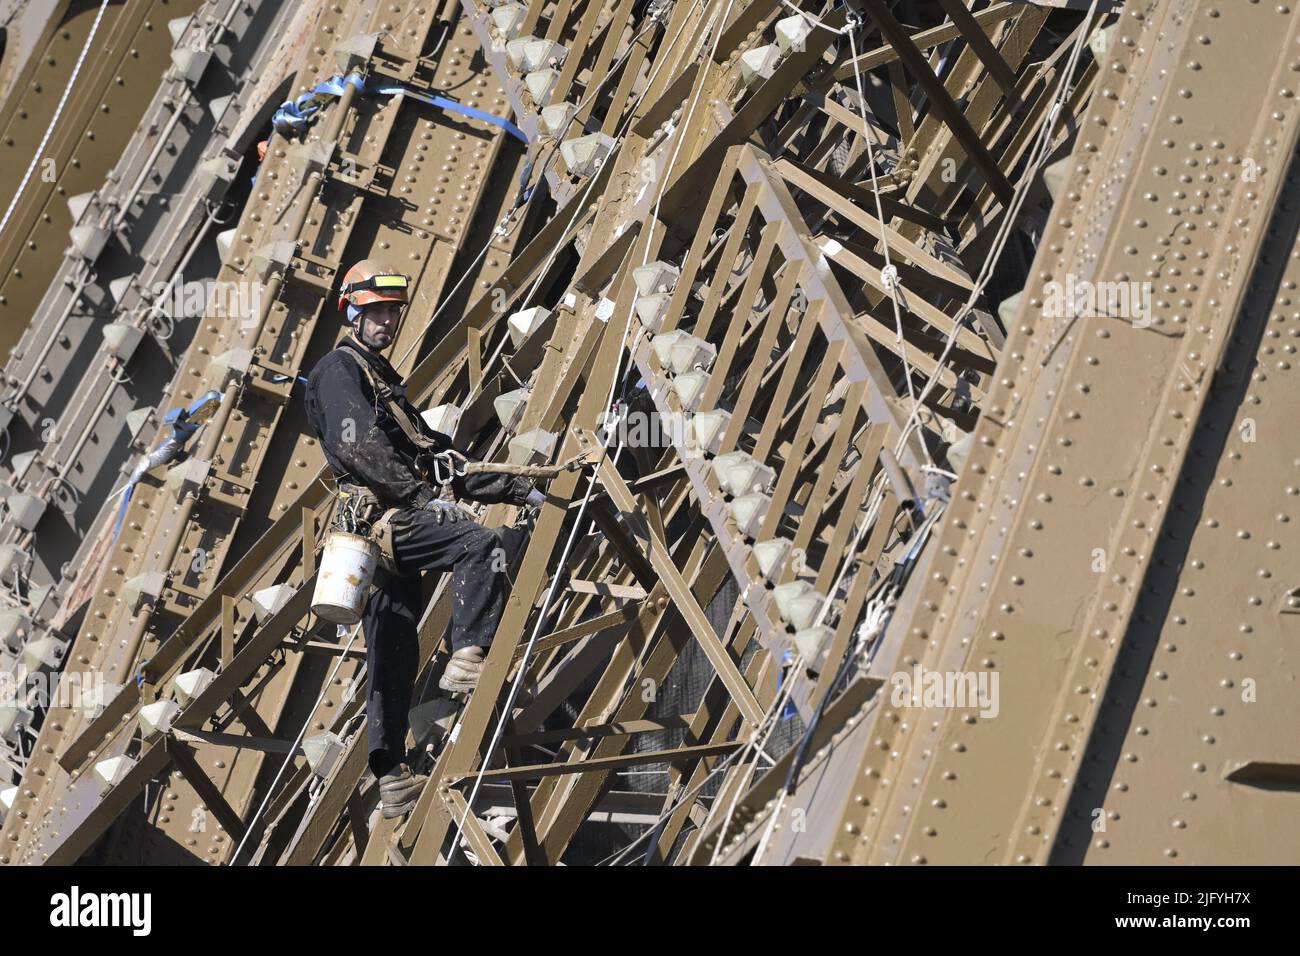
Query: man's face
[379, 324]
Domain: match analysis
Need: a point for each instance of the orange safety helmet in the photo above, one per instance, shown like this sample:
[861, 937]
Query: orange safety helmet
[368, 282]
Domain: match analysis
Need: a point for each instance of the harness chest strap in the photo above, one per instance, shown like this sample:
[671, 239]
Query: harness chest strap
[385, 394]
[382, 533]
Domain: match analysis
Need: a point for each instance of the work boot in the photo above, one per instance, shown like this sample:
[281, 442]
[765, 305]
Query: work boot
[463, 670]
[399, 790]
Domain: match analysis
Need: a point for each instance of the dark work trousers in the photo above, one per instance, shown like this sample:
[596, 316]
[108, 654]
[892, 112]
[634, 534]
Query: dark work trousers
[476, 557]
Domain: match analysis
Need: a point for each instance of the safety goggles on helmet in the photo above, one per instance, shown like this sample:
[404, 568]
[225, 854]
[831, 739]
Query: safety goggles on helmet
[386, 288]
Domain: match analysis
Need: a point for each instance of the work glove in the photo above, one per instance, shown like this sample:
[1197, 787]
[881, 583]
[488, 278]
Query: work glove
[445, 511]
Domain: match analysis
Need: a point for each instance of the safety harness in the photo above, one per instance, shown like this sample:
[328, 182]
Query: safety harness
[445, 464]
[366, 503]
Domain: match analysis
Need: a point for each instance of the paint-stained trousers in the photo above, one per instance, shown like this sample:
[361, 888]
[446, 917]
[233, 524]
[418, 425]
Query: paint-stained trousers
[476, 557]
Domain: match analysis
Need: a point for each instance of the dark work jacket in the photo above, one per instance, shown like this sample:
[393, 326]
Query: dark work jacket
[372, 450]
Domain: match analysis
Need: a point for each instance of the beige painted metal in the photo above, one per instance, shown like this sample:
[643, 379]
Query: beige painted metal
[1050, 538]
[759, 196]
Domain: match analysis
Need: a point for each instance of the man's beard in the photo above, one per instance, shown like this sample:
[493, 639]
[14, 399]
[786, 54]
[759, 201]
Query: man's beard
[370, 343]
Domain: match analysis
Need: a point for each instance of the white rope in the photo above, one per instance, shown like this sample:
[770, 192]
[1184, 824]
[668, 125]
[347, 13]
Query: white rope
[1038, 155]
[501, 226]
[768, 725]
[577, 523]
[293, 753]
[58, 111]
[889, 274]
[889, 279]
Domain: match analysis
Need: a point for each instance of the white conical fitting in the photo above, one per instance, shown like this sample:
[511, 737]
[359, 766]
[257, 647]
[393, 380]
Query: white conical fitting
[273, 257]
[523, 324]
[739, 473]
[689, 389]
[657, 276]
[225, 240]
[1008, 309]
[13, 718]
[663, 344]
[1054, 177]
[88, 241]
[231, 363]
[108, 773]
[118, 287]
[191, 684]
[959, 451]
[690, 353]
[583, 156]
[812, 642]
[268, 601]
[14, 628]
[538, 54]
[355, 52]
[120, 339]
[190, 63]
[136, 420]
[707, 428]
[510, 407]
[651, 309]
[25, 510]
[37, 597]
[143, 587]
[443, 418]
[749, 511]
[187, 478]
[539, 84]
[515, 50]
[18, 466]
[507, 19]
[1100, 43]
[178, 26]
[556, 118]
[323, 752]
[792, 33]
[533, 447]
[798, 603]
[12, 556]
[758, 63]
[96, 697]
[7, 798]
[156, 718]
[78, 204]
[306, 158]
[44, 652]
[216, 173]
[771, 556]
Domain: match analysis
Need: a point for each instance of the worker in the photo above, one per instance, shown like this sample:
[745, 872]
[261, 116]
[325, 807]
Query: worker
[381, 452]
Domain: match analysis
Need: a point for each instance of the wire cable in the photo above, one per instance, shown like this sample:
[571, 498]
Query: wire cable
[58, 112]
[591, 486]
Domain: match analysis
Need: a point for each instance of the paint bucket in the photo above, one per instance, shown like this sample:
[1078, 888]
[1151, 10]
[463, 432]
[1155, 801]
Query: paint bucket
[343, 579]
